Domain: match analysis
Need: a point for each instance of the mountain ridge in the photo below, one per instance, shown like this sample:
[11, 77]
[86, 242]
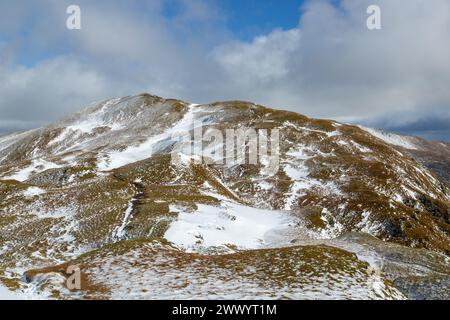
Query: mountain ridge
[103, 177]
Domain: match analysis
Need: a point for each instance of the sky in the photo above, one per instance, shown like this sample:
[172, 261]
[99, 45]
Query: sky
[315, 57]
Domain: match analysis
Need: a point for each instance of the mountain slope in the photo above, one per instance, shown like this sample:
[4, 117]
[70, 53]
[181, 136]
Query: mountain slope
[99, 186]
[435, 155]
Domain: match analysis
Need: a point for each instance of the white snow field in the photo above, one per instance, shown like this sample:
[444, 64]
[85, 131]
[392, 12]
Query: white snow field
[228, 225]
[392, 138]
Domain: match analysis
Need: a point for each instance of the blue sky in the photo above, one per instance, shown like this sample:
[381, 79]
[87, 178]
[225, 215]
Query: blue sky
[315, 57]
[251, 18]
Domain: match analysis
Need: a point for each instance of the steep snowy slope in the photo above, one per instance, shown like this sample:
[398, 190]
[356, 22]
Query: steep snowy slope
[99, 189]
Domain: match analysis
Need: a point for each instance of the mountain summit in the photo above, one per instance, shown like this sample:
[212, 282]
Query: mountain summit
[351, 212]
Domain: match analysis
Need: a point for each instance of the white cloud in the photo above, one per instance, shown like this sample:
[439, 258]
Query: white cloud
[331, 65]
[266, 59]
[52, 88]
[328, 66]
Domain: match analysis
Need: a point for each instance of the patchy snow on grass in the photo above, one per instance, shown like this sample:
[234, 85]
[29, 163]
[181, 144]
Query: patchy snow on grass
[154, 144]
[411, 194]
[10, 139]
[297, 127]
[366, 225]
[355, 145]
[301, 153]
[391, 138]
[360, 148]
[33, 191]
[300, 181]
[228, 225]
[296, 173]
[264, 185]
[294, 193]
[333, 228]
[154, 271]
[58, 213]
[305, 152]
[119, 232]
[297, 170]
[37, 166]
[89, 122]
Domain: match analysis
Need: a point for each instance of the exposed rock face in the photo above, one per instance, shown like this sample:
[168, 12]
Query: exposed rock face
[109, 194]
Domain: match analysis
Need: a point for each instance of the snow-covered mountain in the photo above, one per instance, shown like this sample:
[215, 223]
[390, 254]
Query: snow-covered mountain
[351, 212]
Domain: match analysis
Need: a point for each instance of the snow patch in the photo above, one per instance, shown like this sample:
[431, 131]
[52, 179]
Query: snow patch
[33, 191]
[37, 166]
[89, 123]
[6, 294]
[119, 232]
[392, 138]
[333, 228]
[366, 225]
[264, 185]
[154, 144]
[296, 173]
[228, 225]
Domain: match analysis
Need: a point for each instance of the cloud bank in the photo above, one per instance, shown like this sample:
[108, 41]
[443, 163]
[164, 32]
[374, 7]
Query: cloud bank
[330, 65]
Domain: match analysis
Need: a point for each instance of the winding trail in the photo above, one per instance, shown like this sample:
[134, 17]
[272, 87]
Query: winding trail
[120, 232]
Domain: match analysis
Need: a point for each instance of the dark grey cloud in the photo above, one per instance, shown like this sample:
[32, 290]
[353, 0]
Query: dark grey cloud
[429, 126]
